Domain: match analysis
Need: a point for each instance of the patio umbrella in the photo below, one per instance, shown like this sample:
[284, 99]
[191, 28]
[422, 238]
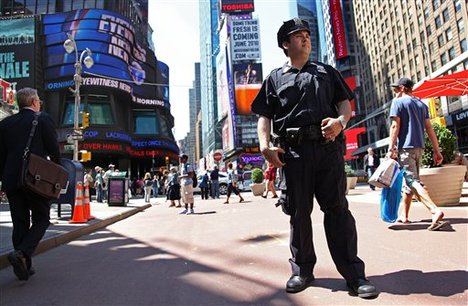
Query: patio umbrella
[455, 84]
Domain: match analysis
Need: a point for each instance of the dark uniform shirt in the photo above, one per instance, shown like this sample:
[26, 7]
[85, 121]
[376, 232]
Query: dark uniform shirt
[297, 98]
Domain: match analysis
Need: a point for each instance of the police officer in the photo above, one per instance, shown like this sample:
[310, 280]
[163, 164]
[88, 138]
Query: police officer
[308, 105]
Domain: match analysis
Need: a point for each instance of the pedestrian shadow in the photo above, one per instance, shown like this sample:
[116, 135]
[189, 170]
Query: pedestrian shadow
[406, 282]
[205, 212]
[424, 224]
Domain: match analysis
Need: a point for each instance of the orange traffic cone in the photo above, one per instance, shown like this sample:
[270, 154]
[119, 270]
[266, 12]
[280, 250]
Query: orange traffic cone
[86, 205]
[78, 213]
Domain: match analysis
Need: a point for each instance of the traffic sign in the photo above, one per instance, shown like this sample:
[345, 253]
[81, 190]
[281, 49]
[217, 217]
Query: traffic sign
[68, 147]
[217, 156]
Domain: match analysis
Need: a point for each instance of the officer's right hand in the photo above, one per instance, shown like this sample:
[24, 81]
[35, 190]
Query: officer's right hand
[271, 154]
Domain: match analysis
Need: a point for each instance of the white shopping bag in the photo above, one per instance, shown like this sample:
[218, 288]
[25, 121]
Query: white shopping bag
[385, 174]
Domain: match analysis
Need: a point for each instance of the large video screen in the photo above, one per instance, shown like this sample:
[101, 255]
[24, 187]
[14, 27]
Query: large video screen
[121, 61]
[17, 39]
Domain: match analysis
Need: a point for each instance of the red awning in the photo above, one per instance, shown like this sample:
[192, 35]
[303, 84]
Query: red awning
[455, 84]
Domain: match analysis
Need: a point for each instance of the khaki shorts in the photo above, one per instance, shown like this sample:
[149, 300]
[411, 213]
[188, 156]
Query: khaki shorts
[410, 160]
[186, 192]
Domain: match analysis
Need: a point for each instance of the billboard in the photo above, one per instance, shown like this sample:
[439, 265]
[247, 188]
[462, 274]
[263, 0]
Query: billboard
[17, 41]
[352, 141]
[245, 40]
[339, 34]
[225, 103]
[237, 6]
[120, 61]
[248, 81]
[164, 73]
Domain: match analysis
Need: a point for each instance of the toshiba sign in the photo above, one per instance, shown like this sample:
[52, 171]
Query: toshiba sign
[237, 6]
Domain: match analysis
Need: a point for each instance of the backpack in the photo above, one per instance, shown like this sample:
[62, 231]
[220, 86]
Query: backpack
[148, 183]
[194, 178]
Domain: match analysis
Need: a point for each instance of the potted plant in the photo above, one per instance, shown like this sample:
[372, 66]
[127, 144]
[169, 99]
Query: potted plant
[351, 178]
[444, 183]
[257, 185]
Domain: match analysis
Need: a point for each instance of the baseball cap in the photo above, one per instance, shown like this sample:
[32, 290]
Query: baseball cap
[406, 82]
[289, 27]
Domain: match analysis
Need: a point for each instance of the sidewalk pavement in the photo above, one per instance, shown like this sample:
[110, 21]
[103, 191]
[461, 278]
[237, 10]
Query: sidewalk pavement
[61, 231]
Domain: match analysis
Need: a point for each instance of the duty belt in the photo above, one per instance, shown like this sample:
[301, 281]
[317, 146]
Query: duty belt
[294, 136]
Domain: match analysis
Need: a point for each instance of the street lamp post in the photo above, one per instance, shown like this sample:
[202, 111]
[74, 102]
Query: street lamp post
[70, 46]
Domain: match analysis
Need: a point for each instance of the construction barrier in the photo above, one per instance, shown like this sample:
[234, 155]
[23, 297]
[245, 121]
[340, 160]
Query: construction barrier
[86, 204]
[78, 211]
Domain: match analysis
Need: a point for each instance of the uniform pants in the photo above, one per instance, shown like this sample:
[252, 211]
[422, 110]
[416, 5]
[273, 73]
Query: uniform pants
[25, 207]
[317, 169]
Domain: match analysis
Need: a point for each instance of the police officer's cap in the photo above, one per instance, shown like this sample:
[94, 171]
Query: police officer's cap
[289, 27]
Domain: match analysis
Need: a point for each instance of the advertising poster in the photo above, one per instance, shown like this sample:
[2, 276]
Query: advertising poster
[116, 191]
[248, 81]
[245, 40]
[17, 39]
[339, 34]
[224, 100]
[120, 61]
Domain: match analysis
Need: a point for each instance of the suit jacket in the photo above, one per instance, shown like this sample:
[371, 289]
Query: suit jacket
[14, 134]
[366, 161]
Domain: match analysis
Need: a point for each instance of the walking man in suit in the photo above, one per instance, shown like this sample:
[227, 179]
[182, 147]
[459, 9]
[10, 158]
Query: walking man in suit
[25, 205]
[371, 162]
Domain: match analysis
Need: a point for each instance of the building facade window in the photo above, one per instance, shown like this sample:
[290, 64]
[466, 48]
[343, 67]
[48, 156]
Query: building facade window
[441, 41]
[438, 22]
[463, 45]
[443, 58]
[448, 34]
[98, 107]
[435, 4]
[451, 53]
[145, 123]
[457, 5]
[446, 15]
[461, 25]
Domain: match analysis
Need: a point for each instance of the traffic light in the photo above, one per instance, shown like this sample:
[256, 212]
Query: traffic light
[434, 108]
[85, 156]
[167, 160]
[84, 120]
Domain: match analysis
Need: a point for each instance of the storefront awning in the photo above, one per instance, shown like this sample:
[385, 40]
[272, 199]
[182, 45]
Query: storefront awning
[375, 145]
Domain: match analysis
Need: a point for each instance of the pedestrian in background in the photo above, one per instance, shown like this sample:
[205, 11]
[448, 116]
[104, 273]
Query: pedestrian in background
[99, 184]
[308, 104]
[270, 177]
[148, 186]
[155, 186]
[173, 187]
[214, 177]
[371, 162]
[204, 186]
[30, 213]
[186, 187]
[232, 185]
[410, 118]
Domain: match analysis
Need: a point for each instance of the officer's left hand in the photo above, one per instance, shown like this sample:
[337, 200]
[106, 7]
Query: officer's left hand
[331, 127]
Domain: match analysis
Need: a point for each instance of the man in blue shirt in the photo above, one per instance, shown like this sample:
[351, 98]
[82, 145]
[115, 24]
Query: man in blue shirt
[410, 117]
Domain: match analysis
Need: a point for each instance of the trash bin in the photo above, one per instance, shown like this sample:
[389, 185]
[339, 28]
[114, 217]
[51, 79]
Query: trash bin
[117, 189]
[75, 174]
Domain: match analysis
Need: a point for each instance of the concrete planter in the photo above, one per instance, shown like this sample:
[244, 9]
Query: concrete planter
[444, 184]
[351, 182]
[257, 189]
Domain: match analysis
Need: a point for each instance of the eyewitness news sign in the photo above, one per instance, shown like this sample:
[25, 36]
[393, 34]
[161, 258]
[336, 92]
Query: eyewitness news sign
[245, 40]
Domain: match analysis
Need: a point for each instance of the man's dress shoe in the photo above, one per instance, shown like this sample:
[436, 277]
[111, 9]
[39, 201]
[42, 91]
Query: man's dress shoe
[363, 288]
[297, 283]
